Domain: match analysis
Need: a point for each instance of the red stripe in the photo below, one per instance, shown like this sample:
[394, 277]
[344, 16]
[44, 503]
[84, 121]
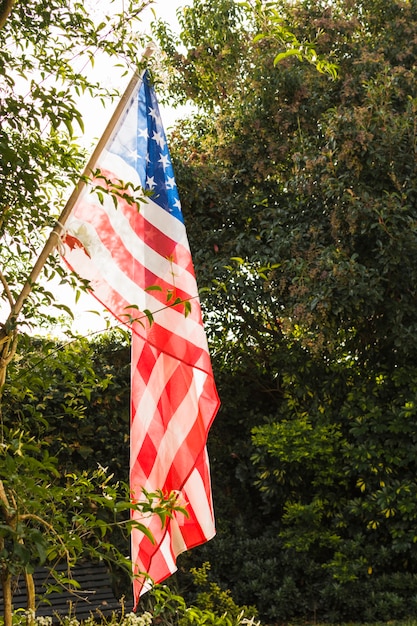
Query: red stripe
[147, 455]
[129, 264]
[164, 245]
[173, 393]
[155, 334]
[171, 343]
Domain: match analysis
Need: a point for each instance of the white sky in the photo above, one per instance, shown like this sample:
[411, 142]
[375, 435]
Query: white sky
[95, 116]
[166, 10]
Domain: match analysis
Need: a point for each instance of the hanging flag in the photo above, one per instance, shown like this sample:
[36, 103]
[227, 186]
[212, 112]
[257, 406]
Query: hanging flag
[137, 260]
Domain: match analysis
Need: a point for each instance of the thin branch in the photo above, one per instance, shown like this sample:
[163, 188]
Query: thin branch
[8, 343]
[48, 526]
[6, 9]
[3, 496]
[5, 505]
[6, 289]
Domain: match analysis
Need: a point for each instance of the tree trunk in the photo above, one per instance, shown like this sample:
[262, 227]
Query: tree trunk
[30, 589]
[6, 581]
[6, 577]
[8, 346]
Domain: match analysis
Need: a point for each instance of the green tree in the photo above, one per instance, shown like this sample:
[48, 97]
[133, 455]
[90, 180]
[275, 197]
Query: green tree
[64, 487]
[299, 195]
[74, 395]
[47, 65]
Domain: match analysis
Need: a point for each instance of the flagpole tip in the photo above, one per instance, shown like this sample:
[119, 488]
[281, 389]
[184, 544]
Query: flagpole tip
[150, 49]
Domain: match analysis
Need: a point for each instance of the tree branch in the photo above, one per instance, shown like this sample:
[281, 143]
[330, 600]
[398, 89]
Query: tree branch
[6, 289]
[5, 9]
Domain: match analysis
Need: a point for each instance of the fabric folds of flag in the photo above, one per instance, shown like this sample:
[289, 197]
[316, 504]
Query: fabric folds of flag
[139, 266]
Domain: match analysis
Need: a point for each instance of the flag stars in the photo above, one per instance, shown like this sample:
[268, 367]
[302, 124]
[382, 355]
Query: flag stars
[160, 139]
[171, 182]
[165, 161]
[154, 114]
[143, 133]
[132, 155]
[150, 182]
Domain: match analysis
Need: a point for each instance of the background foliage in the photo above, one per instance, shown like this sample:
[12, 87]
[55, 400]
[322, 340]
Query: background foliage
[299, 194]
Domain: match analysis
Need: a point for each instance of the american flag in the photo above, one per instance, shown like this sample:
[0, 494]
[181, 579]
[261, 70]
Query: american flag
[138, 264]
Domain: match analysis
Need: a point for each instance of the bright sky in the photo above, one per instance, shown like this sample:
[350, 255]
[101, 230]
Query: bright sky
[166, 9]
[95, 116]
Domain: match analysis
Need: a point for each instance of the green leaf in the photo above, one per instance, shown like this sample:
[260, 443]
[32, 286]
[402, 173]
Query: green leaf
[288, 53]
[153, 288]
[149, 316]
[187, 308]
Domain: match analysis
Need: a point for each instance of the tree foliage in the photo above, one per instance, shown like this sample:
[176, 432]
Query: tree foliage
[299, 196]
[64, 461]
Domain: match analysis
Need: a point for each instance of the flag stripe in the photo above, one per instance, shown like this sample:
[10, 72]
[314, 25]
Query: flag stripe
[113, 288]
[146, 403]
[110, 228]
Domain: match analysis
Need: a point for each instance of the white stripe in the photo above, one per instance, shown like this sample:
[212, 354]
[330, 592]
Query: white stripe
[177, 539]
[119, 167]
[171, 226]
[195, 493]
[176, 433]
[101, 268]
[168, 224]
[165, 549]
[143, 253]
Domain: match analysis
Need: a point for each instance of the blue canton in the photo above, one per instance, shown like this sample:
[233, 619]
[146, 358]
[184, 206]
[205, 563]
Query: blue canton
[142, 143]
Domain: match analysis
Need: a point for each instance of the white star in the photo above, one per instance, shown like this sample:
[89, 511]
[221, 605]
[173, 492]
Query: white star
[150, 182]
[171, 182]
[143, 132]
[153, 113]
[159, 140]
[177, 203]
[164, 160]
[132, 154]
